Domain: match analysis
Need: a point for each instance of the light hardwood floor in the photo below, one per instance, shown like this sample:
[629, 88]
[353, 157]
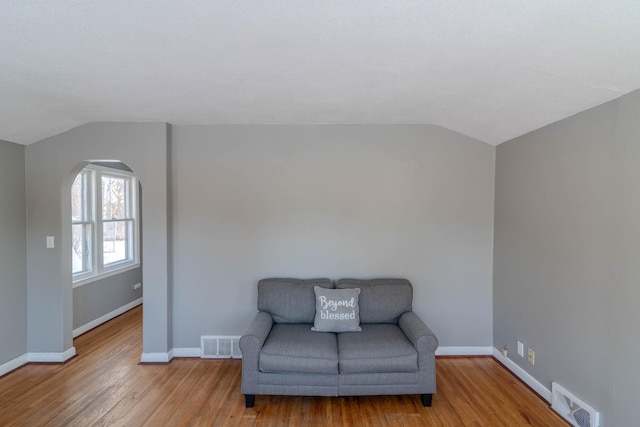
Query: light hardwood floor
[105, 386]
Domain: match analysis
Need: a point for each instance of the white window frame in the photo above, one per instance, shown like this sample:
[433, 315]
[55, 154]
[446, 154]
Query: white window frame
[87, 222]
[94, 243]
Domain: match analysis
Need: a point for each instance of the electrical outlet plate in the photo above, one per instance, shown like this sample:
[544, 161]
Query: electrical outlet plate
[531, 357]
[520, 349]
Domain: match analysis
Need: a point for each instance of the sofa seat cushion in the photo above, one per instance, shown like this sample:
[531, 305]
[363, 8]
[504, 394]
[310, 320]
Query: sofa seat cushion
[377, 348]
[295, 348]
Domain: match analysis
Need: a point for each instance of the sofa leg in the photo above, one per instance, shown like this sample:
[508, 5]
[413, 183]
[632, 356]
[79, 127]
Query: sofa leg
[249, 400]
[426, 400]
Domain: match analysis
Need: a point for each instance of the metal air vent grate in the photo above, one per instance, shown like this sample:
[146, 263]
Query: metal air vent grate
[220, 347]
[572, 409]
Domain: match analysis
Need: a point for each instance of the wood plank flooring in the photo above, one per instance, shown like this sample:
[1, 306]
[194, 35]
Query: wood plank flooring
[106, 386]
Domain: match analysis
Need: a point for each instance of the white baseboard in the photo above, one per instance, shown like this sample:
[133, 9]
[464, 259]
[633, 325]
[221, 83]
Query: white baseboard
[102, 319]
[187, 352]
[536, 385]
[37, 358]
[51, 357]
[168, 356]
[156, 357]
[464, 351]
[13, 364]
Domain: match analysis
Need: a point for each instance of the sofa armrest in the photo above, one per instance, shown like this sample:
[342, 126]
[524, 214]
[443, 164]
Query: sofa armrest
[422, 338]
[250, 344]
[256, 334]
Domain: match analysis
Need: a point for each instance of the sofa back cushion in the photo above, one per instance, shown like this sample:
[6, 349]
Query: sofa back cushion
[290, 300]
[381, 300]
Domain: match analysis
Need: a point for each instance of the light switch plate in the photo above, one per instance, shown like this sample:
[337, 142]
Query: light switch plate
[50, 242]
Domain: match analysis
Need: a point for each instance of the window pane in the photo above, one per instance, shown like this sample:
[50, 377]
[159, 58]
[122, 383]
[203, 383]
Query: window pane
[116, 237]
[80, 256]
[113, 197]
[78, 197]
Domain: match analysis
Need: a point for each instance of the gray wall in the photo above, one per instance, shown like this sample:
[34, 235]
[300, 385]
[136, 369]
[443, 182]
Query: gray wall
[331, 201]
[13, 254]
[567, 254]
[51, 165]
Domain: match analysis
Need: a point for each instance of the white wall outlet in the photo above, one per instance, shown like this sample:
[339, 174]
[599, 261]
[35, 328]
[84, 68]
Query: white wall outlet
[50, 242]
[504, 351]
[531, 357]
[520, 349]
[137, 286]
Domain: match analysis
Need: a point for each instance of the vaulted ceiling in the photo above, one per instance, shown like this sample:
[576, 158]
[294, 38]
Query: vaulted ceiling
[492, 70]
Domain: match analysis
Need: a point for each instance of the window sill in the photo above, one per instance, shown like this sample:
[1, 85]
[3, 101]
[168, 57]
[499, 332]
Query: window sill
[105, 275]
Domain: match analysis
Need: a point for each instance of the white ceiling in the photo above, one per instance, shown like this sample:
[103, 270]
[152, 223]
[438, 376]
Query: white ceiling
[492, 70]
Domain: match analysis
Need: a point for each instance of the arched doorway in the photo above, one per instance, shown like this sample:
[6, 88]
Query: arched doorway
[106, 242]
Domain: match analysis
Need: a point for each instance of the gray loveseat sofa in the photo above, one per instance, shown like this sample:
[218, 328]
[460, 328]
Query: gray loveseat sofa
[393, 353]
